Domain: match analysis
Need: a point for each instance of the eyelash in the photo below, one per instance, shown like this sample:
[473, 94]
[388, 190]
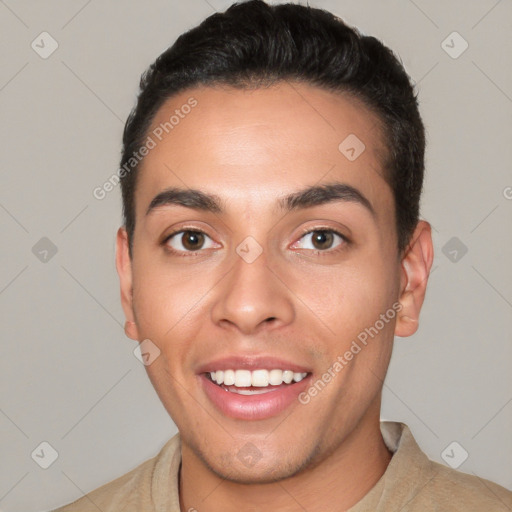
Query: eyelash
[319, 252]
[342, 246]
[174, 252]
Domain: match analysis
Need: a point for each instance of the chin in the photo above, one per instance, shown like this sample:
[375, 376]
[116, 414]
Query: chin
[264, 470]
[252, 476]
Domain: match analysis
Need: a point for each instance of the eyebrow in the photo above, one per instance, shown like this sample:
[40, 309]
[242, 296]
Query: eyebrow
[315, 195]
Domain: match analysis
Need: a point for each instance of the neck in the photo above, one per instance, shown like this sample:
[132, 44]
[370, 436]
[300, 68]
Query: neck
[343, 477]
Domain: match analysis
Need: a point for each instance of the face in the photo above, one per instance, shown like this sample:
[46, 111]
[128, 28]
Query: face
[254, 280]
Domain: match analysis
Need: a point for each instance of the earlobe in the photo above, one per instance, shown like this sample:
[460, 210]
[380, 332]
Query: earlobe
[415, 268]
[124, 270]
[130, 329]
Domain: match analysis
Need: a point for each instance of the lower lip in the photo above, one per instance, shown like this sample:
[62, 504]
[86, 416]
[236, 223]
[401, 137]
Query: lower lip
[253, 407]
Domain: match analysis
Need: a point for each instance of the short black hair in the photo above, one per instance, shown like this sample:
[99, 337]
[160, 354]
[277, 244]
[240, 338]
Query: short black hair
[253, 44]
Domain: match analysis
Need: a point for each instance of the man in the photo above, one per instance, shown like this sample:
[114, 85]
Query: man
[271, 250]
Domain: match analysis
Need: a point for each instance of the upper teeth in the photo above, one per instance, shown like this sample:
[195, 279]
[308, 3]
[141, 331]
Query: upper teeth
[258, 378]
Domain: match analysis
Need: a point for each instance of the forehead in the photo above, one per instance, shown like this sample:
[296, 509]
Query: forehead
[250, 144]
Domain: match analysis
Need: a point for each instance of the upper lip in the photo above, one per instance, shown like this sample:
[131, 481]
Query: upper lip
[248, 362]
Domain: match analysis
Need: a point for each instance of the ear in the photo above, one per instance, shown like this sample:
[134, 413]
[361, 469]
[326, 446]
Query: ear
[124, 270]
[416, 264]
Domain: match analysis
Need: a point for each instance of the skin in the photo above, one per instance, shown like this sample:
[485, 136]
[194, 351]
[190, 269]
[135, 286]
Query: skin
[250, 148]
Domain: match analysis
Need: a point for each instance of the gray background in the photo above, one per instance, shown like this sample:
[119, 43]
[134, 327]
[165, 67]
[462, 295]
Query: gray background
[68, 373]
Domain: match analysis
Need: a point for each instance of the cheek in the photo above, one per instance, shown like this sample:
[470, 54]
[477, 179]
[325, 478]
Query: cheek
[164, 298]
[347, 298]
[169, 307]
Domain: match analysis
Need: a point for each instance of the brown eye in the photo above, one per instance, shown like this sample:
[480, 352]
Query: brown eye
[188, 241]
[192, 240]
[322, 239]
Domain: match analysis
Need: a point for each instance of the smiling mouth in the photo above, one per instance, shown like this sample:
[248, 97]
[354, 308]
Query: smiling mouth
[253, 395]
[256, 382]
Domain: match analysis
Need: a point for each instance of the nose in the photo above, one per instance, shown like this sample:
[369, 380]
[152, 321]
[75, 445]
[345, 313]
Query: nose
[252, 297]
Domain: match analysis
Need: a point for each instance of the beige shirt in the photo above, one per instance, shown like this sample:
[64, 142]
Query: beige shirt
[410, 483]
